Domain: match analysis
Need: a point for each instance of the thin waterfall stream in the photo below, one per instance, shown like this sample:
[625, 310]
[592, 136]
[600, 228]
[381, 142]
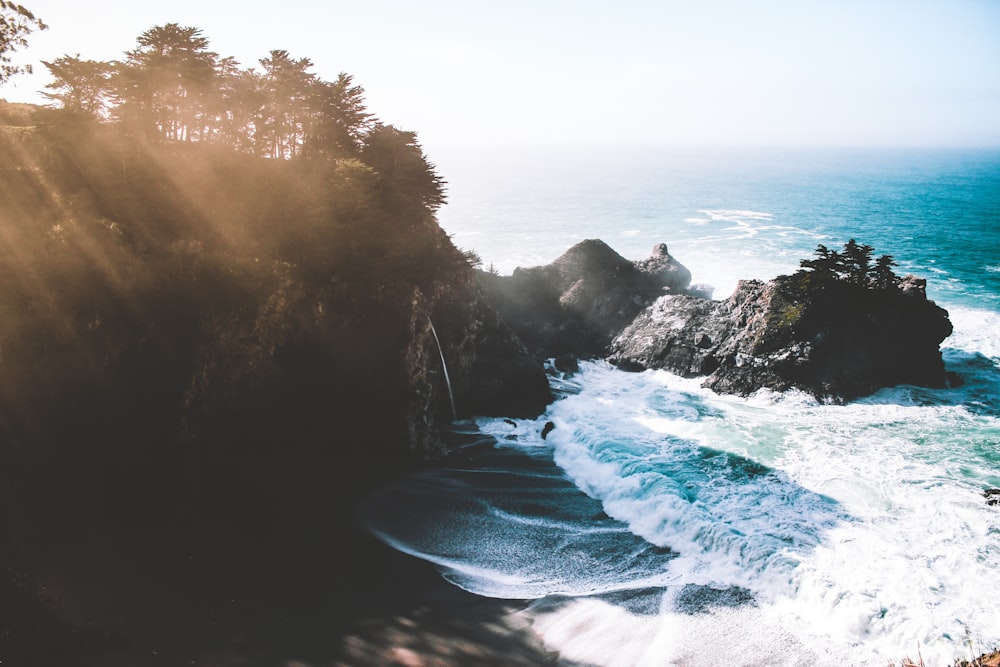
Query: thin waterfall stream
[444, 367]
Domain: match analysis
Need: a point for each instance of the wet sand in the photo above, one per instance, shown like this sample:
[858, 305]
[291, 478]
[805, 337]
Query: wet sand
[340, 597]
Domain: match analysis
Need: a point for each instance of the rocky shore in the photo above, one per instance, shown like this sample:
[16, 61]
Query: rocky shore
[834, 340]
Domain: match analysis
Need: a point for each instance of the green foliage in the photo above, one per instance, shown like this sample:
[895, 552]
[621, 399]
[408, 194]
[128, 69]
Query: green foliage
[165, 82]
[124, 258]
[173, 88]
[853, 266]
[16, 23]
[173, 203]
[406, 174]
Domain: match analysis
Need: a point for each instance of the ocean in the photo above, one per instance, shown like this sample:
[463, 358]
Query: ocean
[662, 524]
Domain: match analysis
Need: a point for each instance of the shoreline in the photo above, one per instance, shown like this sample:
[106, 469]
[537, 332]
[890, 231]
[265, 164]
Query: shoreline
[411, 615]
[89, 601]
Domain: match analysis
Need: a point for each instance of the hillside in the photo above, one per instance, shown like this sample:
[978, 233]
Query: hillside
[206, 356]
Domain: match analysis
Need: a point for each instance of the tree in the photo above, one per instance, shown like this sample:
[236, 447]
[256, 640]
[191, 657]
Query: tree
[287, 86]
[168, 77]
[827, 265]
[852, 266]
[857, 262]
[16, 23]
[340, 118]
[233, 105]
[80, 86]
[404, 170]
[883, 277]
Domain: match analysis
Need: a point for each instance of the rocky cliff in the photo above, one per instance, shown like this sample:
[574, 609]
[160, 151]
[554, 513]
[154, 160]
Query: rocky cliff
[578, 303]
[206, 357]
[180, 292]
[359, 369]
[837, 343]
[837, 333]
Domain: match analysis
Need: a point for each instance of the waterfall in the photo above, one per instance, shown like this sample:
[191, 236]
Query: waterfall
[444, 367]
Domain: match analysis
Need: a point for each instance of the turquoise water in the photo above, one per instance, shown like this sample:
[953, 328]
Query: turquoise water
[662, 524]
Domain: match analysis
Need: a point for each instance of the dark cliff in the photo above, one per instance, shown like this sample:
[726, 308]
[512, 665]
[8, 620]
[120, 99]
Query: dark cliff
[837, 343]
[578, 303]
[206, 358]
[203, 296]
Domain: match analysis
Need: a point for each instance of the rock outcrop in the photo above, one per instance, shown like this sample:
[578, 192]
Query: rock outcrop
[836, 343]
[578, 303]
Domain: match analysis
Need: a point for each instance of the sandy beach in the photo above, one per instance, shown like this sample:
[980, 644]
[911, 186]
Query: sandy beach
[332, 596]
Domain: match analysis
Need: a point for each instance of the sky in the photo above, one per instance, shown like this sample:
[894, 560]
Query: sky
[469, 73]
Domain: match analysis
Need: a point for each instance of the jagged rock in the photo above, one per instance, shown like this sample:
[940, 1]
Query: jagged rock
[566, 363]
[663, 270]
[579, 302]
[838, 343]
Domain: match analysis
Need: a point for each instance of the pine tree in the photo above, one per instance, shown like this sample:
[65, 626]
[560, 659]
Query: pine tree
[80, 86]
[882, 276]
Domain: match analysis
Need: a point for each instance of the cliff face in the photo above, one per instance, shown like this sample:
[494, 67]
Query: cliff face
[206, 359]
[190, 335]
[580, 301]
[838, 343]
[342, 359]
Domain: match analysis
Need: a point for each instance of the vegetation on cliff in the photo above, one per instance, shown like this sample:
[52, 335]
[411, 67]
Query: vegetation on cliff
[215, 323]
[853, 266]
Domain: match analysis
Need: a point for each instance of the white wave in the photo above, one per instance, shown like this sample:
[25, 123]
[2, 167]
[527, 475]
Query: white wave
[735, 215]
[906, 552]
[975, 331]
[594, 632]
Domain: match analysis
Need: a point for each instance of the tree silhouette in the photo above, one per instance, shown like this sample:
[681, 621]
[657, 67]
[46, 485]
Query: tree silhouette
[882, 276]
[857, 262]
[16, 23]
[173, 88]
[168, 77]
[852, 266]
[404, 170]
[237, 106]
[80, 86]
[340, 119]
[287, 86]
[827, 265]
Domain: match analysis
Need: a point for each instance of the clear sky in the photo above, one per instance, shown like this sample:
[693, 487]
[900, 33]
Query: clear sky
[629, 72]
